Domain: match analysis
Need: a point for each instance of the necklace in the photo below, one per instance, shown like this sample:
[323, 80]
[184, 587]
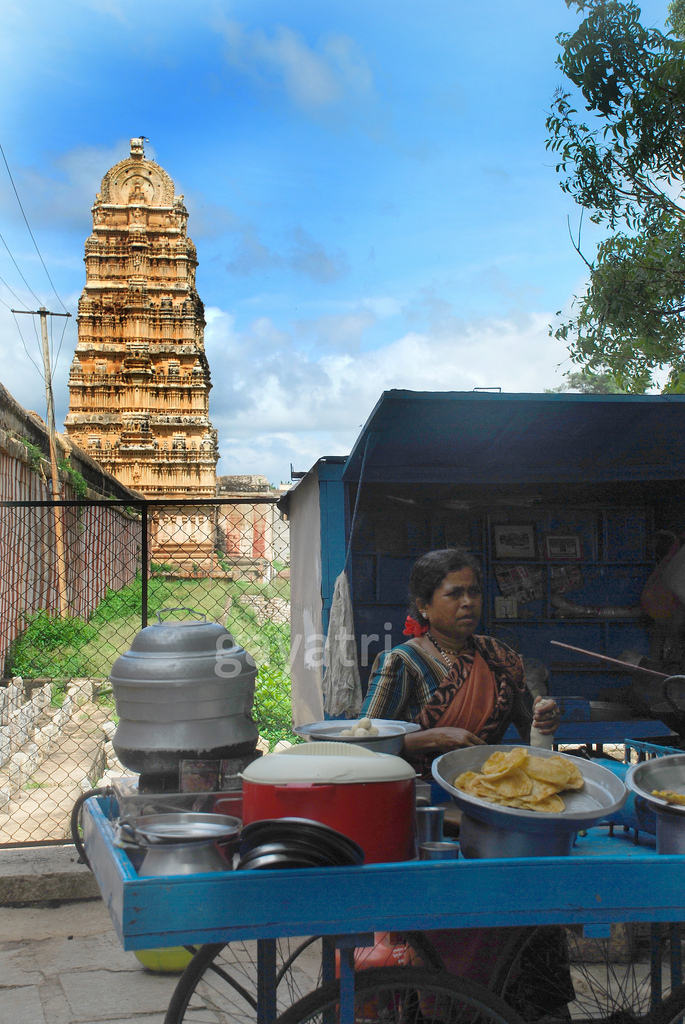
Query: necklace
[443, 653]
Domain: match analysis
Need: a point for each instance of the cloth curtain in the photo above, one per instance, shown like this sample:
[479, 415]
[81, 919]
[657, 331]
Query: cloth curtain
[342, 689]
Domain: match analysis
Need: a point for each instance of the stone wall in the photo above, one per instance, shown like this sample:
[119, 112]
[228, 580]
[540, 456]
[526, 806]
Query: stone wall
[267, 609]
[30, 730]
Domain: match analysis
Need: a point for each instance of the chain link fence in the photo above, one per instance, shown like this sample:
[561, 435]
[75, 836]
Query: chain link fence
[78, 580]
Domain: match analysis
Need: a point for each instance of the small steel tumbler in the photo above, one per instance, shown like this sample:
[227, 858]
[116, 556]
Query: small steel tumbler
[429, 821]
[438, 851]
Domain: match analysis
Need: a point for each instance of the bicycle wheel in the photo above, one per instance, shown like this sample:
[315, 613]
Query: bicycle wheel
[220, 982]
[412, 995]
[624, 978]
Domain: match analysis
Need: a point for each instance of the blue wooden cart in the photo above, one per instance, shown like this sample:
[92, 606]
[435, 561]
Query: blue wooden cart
[608, 878]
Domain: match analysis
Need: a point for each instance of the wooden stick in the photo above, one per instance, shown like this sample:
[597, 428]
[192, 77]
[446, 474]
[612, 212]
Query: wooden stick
[613, 661]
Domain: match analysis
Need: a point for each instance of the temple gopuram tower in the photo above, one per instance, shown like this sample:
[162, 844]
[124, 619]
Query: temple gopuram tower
[139, 383]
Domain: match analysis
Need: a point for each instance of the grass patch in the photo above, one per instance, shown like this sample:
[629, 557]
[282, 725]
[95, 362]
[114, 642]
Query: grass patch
[34, 784]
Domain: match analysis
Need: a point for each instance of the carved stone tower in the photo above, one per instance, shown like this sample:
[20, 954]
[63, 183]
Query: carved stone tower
[139, 383]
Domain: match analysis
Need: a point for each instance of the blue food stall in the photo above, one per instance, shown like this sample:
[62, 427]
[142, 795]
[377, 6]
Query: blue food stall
[569, 501]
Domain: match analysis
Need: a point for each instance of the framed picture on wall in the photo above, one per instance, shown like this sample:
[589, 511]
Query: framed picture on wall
[563, 545]
[514, 540]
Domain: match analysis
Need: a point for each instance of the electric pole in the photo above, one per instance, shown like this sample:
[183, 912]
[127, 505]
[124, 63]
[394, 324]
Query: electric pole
[54, 473]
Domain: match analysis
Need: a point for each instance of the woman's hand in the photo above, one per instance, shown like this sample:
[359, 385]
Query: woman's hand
[440, 740]
[546, 715]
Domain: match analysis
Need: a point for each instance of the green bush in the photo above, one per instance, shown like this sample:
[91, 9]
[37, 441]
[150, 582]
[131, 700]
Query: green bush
[51, 646]
[272, 709]
[120, 604]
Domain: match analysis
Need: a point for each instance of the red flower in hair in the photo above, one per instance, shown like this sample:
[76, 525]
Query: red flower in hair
[414, 628]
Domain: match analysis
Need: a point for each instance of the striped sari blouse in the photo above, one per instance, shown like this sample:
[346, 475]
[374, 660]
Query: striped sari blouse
[404, 679]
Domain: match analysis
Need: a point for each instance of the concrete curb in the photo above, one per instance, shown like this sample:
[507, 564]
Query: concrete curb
[43, 874]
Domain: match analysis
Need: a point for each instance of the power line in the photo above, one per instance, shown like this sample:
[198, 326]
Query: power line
[28, 226]
[11, 293]
[40, 372]
[20, 273]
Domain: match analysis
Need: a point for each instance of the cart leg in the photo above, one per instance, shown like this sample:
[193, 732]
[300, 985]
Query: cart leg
[347, 945]
[328, 958]
[655, 962]
[346, 986]
[266, 981]
[676, 957]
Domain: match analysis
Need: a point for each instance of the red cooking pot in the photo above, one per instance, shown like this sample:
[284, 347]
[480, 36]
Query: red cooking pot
[365, 795]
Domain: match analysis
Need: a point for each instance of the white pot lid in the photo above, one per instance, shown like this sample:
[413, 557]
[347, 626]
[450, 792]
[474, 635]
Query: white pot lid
[327, 762]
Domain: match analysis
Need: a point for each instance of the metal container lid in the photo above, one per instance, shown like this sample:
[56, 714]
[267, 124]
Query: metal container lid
[182, 651]
[180, 636]
[344, 764]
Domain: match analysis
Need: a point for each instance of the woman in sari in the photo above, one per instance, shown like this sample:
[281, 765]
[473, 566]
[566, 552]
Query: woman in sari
[462, 689]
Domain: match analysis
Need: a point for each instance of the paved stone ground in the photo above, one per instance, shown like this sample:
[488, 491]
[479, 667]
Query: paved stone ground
[66, 966]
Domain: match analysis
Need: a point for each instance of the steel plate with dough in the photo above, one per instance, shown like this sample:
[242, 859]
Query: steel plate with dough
[390, 738]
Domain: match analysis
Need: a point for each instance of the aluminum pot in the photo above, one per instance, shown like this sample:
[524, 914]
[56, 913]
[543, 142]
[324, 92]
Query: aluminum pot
[184, 690]
[182, 859]
[670, 831]
[478, 839]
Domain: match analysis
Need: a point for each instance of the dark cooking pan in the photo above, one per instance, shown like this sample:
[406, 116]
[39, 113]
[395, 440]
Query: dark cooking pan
[668, 711]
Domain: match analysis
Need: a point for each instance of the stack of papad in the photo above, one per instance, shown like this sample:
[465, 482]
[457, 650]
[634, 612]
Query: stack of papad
[516, 778]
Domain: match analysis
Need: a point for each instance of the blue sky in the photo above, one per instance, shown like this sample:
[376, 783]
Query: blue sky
[367, 182]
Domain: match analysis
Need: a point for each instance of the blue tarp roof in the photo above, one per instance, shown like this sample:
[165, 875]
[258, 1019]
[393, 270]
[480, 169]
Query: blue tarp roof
[475, 437]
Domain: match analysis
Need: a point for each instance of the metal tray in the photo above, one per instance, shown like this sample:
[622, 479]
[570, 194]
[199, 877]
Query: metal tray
[183, 826]
[659, 773]
[603, 794]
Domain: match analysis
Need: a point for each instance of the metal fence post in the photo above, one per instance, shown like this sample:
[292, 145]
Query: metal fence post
[144, 569]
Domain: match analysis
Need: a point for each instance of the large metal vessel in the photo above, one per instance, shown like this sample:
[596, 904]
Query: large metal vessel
[184, 690]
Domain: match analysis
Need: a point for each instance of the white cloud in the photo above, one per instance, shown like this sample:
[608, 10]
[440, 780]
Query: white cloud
[314, 78]
[273, 404]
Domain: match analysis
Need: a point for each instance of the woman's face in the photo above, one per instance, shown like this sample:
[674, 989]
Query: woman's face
[456, 605]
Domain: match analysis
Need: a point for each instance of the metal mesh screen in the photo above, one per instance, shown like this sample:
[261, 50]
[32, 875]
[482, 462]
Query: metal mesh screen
[77, 582]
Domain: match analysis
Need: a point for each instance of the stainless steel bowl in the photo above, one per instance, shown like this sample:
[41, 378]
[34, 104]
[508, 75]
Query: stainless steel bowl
[662, 773]
[489, 830]
[390, 738]
[659, 773]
